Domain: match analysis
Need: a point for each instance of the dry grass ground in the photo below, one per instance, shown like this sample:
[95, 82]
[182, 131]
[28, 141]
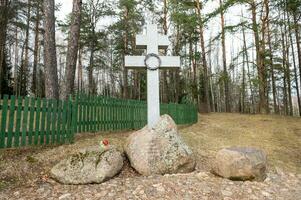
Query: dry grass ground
[279, 136]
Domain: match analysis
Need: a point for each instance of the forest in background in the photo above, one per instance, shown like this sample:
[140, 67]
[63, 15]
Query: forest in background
[261, 73]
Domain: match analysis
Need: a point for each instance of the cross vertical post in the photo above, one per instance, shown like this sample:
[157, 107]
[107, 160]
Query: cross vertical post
[153, 94]
[152, 42]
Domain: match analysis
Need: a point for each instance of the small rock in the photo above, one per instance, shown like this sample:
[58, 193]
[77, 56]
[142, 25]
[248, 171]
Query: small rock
[266, 194]
[226, 193]
[66, 196]
[202, 175]
[17, 193]
[159, 187]
[101, 194]
[41, 190]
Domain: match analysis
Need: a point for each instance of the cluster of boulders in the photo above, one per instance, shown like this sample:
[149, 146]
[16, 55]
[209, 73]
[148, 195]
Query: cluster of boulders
[159, 150]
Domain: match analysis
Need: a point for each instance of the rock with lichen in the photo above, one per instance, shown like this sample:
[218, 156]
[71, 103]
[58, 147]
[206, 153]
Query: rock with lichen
[240, 163]
[159, 150]
[88, 166]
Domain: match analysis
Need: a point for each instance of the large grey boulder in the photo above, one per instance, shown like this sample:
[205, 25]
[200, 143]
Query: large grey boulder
[240, 163]
[159, 150]
[88, 166]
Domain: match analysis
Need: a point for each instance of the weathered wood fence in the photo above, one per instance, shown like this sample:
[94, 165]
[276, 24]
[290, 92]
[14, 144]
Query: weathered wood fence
[34, 121]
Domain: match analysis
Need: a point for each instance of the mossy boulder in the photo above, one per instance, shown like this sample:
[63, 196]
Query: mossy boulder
[88, 167]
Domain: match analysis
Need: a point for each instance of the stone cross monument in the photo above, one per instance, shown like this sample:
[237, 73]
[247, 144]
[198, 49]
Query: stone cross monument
[152, 42]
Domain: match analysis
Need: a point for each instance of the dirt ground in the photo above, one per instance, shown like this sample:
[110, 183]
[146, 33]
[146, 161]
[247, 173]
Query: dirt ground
[279, 137]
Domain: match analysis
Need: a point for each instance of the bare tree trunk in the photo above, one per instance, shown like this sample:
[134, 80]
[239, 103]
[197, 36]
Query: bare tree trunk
[72, 48]
[260, 50]
[284, 62]
[4, 7]
[80, 71]
[243, 89]
[35, 52]
[165, 91]
[16, 64]
[288, 71]
[205, 100]
[25, 64]
[226, 76]
[210, 80]
[125, 70]
[90, 72]
[295, 66]
[297, 34]
[52, 89]
[276, 110]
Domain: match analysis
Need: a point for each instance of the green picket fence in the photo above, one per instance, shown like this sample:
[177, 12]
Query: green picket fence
[100, 113]
[34, 121]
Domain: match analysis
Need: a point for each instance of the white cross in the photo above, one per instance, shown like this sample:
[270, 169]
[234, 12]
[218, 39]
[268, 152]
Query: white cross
[152, 42]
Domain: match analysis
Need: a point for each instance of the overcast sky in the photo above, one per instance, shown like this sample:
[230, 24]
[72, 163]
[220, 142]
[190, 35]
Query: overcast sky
[66, 8]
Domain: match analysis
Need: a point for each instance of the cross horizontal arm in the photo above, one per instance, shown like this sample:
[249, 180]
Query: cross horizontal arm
[142, 41]
[134, 62]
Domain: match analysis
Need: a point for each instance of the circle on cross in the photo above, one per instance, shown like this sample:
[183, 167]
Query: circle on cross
[152, 61]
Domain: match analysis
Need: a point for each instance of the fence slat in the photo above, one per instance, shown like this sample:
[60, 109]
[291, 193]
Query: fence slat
[24, 123]
[37, 122]
[48, 120]
[11, 121]
[59, 122]
[43, 122]
[3, 121]
[31, 120]
[64, 123]
[18, 122]
[54, 121]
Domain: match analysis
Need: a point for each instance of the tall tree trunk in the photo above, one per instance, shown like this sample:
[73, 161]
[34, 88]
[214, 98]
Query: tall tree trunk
[246, 54]
[4, 9]
[80, 71]
[72, 48]
[35, 52]
[243, 88]
[297, 34]
[165, 91]
[25, 64]
[210, 79]
[276, 110]
[295, 66]
[259, 60]
[226, 76]
[51, 77]
[90, 71]
[194, 89]
[16, 64]
[205, 99]
[288, 71]
[284, 62]
[125, 70]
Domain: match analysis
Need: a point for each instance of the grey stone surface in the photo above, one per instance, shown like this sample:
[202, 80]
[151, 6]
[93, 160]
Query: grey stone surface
[240, 163]
[88, 167]
[159, 150]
